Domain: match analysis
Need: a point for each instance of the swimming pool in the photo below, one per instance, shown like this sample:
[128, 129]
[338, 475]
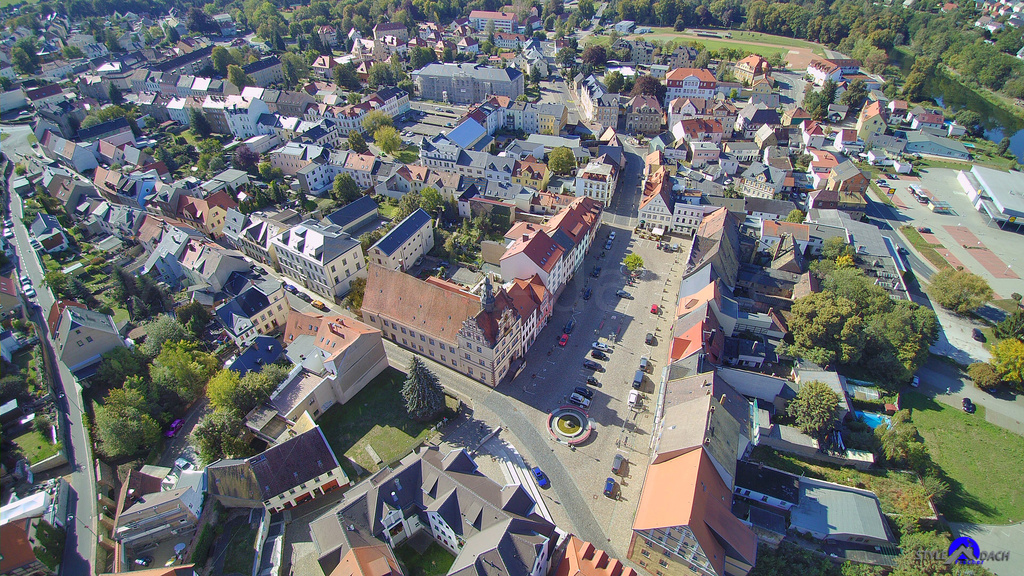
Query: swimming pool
[874, 419]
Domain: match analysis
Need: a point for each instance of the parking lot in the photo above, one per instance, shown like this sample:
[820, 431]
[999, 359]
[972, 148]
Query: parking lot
[552, 371]
[948, 229]
[429, 120]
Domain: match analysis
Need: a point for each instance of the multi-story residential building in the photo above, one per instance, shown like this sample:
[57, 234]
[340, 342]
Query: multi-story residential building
[148, 515]
[299, 469]
[320, 257]
[644, 115]
[823, 70]
[752, 116]
[598, 179]
[509, 40]
[533, 118]
[503, 21]
[598, 104]
[19, 557]
[478, 336]
[46, 229]
[400, 248]
[260, 309]
[640, 52]
[317, 177]
[335, 356]
[872, 121]
[530, 173]
[254, 238]
[534, 304]
[294, 156]
[682, 57]
[265, 72]
[762, 181]
[82, 336]
[705, 109]
[207, 214]
[242, 115]
[467, 83]
[750, 68]
[188, 63]
[395, 29]
[698, 130]
[689, 83]
[10, 301]
[553, 251]
[490, 529]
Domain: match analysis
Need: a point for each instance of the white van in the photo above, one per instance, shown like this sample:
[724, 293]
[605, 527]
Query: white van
[634, 398]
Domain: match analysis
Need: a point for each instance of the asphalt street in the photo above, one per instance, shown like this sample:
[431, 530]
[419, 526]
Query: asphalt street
[80, 550]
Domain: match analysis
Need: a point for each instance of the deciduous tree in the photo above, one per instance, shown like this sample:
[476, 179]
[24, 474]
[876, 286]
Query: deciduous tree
[614, 81]
[123, 423]
[1008, 358]
[424, 397]
[238, 77]
[376, 119]
[959, 291]
[246, 158]
[814, 408]
[345, 188]
[649, 86]
[984, 375]
[356, 142]
[1012, 326]
[561, 160]
[163, 329]
[219, 435]
[387, 139]
[182, 368]
[796, 215]
[594, 55]
[194, 317]
[633, 262]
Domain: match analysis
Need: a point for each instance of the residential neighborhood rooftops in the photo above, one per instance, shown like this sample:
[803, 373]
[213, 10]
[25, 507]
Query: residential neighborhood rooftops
[400, 234]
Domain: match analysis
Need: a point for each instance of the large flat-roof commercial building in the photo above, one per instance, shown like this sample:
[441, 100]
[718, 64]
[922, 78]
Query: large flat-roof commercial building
[998, 195]
[467, 83]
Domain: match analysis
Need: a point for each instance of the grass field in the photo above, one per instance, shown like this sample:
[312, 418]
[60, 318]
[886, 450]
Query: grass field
[981, 461]
[434, 562]
[4, 136]
[900, 493]
[240, 552]
[408, 155]
[682, 38]
[921, 245]
[35, 447]
[376, 417]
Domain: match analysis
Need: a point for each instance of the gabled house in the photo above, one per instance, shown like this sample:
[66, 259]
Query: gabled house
[258, 310]
[50, 234]
[82, 336]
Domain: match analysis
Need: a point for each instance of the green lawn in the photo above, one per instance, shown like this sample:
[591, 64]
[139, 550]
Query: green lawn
[240, 552]
[408, 155]
[981, 461]
[387, 210]
[926, 249]
[35, 446]
[899, 493]
[4, 136]
[436, 561]
[376, 416]
[31, 138]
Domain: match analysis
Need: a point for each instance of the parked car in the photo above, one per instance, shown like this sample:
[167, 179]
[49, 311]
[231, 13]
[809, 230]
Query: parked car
[617, 463]
[591, 365]
[569, 326]
[598, 355]
[25, 280]
[624, 294]
[584, 391]
[303, 296]
[612, 235]
[588, 293]
[608, 245]
[320, 305]
[592, 381]
[579, 400]
[9, 223]
[290, 288]
[183, 464]
[8, 233]
[977, 335]
[175, 427]
[609, 488]
[601, 346]
[35, 244]
[563, 340]
[916, 381]
[596, 272]
[654, 308]
[649, 339]
[542, 478]
[924, 230]
[30, 292]
[969, 406]
[144, 560]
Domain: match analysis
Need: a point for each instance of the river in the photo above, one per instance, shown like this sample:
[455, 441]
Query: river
[997, 122]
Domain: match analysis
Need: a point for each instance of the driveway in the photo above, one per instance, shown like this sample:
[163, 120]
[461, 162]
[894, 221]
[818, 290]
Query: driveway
[955, 340]
[994, 538]
[949, 384]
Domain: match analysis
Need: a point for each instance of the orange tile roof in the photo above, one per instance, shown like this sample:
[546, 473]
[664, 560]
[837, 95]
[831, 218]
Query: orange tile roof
[684, 73]
[333, 334]
[7, 286]
[186, 570]
[584, 559]
[687, 491]
[691, 302]
[539, 247]
[424, 306]
[375, 560]
[56, 310]
[17, 549]
[527, 295]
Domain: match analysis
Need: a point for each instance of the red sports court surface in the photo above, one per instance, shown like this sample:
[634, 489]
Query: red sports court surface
[980, 252]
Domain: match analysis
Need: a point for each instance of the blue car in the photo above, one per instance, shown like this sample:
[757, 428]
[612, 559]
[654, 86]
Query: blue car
[542, 478]
[609, 487]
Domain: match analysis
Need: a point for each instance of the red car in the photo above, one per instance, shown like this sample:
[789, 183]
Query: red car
[654, 308]
[563, 340]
